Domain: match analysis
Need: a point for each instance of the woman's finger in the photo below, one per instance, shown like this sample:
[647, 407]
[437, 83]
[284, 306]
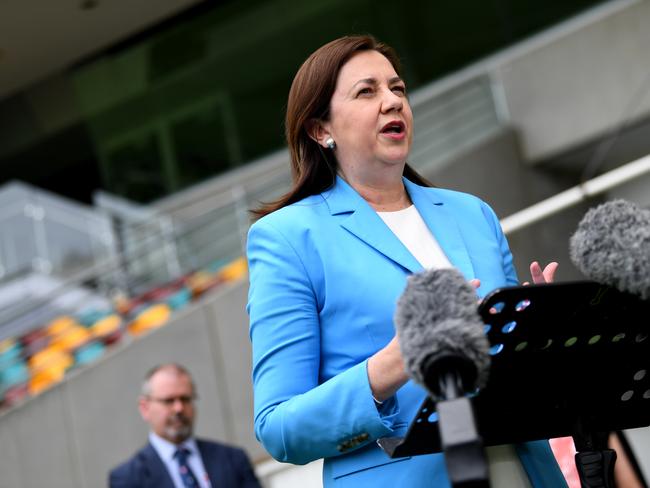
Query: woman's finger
[546, 275]
[536, 272]
[549, 272]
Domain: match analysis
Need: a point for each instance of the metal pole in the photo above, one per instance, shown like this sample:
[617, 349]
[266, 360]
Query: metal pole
[575, 195]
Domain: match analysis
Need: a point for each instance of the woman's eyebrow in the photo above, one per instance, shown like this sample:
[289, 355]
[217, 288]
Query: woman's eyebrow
[369, 81]
[373, 81]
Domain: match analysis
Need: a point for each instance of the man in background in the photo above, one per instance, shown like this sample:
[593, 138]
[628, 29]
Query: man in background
[173, 458]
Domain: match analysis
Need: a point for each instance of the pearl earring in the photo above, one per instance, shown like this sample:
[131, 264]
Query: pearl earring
[330, 143]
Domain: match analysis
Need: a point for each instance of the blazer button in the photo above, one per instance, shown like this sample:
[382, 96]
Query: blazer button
[352, 442]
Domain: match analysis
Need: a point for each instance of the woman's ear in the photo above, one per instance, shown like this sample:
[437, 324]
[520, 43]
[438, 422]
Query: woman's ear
[317, 131]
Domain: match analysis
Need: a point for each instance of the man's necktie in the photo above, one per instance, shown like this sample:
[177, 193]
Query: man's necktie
[189, 480]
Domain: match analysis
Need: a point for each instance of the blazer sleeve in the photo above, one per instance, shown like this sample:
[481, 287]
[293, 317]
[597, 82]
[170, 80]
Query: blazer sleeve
[245, 471]
[124, 476]
[297, 418]
[506, 254]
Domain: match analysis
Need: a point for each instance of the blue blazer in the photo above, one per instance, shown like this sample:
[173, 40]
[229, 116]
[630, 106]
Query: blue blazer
[227, 467]
[325, 276]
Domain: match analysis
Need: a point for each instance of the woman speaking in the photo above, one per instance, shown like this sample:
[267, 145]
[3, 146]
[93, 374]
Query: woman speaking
[329, 260]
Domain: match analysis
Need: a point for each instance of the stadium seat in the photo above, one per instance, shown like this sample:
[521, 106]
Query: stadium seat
[13, 375]
[48, 367]
[201, 281]
[150, 318]
[180, 298]
[34, 341]
[108, 329]
[89, 352]
[10, 350]
[72, 338]
[235, 270]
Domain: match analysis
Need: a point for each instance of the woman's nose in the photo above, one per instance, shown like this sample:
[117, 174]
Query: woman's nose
[392, 101]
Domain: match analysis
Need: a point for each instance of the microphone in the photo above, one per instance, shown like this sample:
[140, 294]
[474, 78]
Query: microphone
[446, 350]
[612, 246]
[441, 334]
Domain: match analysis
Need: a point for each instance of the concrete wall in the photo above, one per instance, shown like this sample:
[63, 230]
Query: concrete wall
[495, 172]
[578, 86]
[71, 435]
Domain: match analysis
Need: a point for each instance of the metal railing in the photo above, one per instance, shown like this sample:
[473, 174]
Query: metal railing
[48, 234]
[575, 195]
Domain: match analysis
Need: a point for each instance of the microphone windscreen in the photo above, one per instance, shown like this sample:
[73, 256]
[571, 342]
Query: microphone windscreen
[437, 318]
[612, 246]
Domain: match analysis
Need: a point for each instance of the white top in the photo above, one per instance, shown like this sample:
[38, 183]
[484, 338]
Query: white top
[166, 450]
[504, 466]
[409, 228]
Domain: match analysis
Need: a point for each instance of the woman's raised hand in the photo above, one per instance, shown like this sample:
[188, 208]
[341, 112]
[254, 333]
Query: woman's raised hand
[539, 275]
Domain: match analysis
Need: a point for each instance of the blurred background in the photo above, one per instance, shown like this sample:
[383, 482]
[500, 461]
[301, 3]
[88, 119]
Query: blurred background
[135, 137]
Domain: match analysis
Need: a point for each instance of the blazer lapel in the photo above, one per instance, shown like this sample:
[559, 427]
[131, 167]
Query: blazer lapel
[443, 227]
[217, 469]
[363, 222]
[158, 475]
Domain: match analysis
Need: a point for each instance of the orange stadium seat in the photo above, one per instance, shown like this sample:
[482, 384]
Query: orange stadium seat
[201, 281]
[72, 338]
[235, 270]
[48, 367]
[108, 329]
[150, 318]
[59, 325]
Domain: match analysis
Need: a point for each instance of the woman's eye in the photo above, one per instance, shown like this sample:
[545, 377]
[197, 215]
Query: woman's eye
[400, 89]
[364, 91]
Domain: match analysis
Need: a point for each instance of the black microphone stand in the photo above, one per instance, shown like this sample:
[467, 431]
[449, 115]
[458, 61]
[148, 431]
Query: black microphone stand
[461, 442]
[594, 460]
[568, 359]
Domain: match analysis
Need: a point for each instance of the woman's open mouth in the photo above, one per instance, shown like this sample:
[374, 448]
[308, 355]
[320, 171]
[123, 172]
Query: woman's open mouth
[395, 129]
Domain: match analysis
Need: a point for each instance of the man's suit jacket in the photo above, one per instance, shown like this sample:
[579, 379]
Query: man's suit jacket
[325, 276]
[227, 467]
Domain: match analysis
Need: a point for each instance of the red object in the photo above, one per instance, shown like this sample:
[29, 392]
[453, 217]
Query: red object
[113, 337]
[35, 341]
[15, 394]
[565, 452]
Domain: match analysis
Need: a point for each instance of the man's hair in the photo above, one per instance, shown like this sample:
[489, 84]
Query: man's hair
[172, 367]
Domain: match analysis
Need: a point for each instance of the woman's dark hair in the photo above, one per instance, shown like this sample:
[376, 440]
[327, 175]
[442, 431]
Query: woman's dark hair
[313, 169]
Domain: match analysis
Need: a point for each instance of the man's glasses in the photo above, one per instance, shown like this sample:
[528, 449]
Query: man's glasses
[168, 402]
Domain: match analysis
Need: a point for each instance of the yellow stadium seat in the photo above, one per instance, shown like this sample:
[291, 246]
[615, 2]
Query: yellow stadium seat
[106, 326]
[48, 367]
[151, 318]
[234, 270]
[7, 344]
[52, 356]
[60, 324]
[201, 281]
[45, 378]
[72, 338]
